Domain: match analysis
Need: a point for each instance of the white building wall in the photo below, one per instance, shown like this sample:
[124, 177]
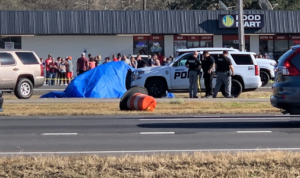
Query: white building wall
[169, 45]
[254, 43]
[62, 46]
[218, 40]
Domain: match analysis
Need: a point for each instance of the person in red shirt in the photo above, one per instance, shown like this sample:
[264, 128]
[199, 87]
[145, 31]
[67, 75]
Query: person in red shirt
[47, 62]
[52, 71]
[92, 64]
[82, 64]
[160, 57]
[114, 58]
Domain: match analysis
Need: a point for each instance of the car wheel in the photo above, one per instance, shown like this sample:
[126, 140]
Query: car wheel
[236, 89]
[265, 78]
[24, 89]
[156, 88]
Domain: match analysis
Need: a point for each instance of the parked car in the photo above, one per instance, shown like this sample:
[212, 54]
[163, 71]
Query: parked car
[267, 72]
[286, 88]
[20, 72]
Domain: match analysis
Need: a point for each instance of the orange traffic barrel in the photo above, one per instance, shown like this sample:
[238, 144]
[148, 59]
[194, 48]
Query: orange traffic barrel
[141, 102]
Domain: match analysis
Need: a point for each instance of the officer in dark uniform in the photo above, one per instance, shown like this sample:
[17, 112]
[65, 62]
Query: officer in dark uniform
[194, 65]
[223, 67]
[208, 64]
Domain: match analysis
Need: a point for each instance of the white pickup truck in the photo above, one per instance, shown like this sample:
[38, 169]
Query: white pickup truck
[174, 76]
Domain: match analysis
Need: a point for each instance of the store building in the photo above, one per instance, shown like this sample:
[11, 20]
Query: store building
[64, 33]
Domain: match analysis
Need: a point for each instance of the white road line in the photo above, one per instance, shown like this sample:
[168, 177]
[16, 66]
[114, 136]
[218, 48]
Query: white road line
[254, 132]
[156, 133]
[150, 151]
[58, 134]
[213, 118]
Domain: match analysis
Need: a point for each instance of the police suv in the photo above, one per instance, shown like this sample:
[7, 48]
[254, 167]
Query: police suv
[174, 76]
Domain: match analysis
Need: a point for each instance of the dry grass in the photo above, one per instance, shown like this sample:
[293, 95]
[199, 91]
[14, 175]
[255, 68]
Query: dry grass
[259, 94]
[202, 165]
[164, 108]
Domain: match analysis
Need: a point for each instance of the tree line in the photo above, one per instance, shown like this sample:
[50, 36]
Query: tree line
[137, 4]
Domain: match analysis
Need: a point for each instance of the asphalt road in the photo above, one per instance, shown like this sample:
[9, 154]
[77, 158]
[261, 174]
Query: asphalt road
[147, 135]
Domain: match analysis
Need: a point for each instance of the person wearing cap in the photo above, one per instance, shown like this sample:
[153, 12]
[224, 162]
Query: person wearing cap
[69, 69]
[194, 65]
[223, 67]
[82, 64]
[208, 64]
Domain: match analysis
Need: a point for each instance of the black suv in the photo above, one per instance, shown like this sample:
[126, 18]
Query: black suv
[286, 89]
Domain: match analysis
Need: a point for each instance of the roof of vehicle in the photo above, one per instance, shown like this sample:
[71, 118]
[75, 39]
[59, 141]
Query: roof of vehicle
[296, 47]
[206, 49]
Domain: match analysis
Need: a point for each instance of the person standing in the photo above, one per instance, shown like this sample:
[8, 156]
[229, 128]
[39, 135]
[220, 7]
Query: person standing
[133, 62]
[150, 61]
[69, 69]
[63, 70]
[82, 64]
[164, 61]
[125, 59]
[140, 62]
[58, 73]
[208, 64]
[52, 71]
[98, 60]
[47, 65]
[156, 61]
[114, 58]
[92, 63]
[194, 66]
[223, 67]
[160, 57]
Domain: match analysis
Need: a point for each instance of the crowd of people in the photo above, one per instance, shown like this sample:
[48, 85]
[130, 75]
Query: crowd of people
[262, 56]
[60, 71]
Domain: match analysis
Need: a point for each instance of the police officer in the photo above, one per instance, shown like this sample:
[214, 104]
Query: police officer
[208, 64]
[194, 65]
[223, 67]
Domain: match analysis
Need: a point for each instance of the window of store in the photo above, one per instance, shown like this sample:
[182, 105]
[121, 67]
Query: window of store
[140, 45]
[156, 44]
[206, 41]
[266, 46]
[179, 42]
[233, 41]
[193, 41]
[276, 46]
[10, 42]
[294, 40]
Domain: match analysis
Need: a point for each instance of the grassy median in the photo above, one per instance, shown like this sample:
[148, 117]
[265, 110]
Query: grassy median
[205, 165]
[173, 107]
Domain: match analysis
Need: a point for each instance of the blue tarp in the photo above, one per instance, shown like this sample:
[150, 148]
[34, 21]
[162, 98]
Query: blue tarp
[105, 81]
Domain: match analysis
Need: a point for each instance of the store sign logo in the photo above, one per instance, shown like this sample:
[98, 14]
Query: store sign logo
[250, 21]
[228, 21]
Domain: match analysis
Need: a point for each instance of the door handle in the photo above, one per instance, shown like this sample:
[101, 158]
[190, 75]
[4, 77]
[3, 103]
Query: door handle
[15, 69]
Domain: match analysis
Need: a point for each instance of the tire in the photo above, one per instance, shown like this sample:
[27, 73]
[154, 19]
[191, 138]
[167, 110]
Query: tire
[156, 88]
[265, 78]
[24, 89]
[236, 88]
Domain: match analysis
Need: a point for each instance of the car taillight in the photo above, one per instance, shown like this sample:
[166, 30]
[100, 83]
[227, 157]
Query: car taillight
[289, 68]
[256, 70]
[42, 70]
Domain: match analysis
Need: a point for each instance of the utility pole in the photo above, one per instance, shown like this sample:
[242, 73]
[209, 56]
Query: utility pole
[145, 4]
[241, 25]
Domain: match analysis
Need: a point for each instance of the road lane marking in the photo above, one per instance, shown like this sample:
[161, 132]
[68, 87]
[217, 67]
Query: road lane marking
[58, 134]
[156, 133]
[213, 118]
[254, 131]
[149, 151]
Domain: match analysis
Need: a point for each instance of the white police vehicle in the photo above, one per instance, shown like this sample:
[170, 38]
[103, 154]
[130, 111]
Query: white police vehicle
[174, 76]
[267, 70]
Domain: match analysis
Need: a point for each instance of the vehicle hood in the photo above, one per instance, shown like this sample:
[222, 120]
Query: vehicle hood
[153, 70]
[265, 61]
